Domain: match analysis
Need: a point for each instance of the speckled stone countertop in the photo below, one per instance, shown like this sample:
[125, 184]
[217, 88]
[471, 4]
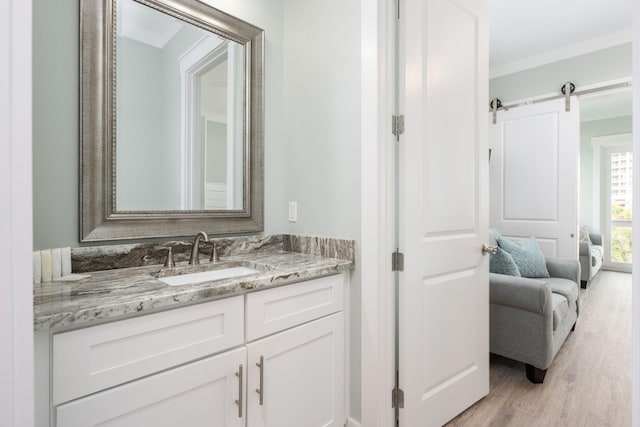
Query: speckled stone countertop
[109, 294]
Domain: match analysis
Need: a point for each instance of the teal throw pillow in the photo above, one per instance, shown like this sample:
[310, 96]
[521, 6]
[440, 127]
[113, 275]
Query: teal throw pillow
[501, 262]
[527, 256]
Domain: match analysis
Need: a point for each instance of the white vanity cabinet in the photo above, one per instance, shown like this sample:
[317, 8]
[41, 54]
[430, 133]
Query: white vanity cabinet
[270, 358]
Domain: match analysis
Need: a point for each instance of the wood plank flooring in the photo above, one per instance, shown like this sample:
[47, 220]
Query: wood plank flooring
[588, 383]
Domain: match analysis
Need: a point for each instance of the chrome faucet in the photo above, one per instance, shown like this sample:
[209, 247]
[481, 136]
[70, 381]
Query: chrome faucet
[194, 250]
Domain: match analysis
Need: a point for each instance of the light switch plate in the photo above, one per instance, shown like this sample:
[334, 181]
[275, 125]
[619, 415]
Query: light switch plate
[293, 211]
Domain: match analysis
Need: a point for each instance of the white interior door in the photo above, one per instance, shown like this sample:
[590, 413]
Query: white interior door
[443, 219]
[534, 175]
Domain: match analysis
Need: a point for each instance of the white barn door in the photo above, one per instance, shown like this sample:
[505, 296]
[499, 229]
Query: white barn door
[534, 175]
[443, 219]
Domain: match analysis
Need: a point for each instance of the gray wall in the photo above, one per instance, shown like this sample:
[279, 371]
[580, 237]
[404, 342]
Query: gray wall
[268, 15]
[322, 132]
[216, 152]
[141, 130]
[596, 67]
[55, 123]
[588, 130]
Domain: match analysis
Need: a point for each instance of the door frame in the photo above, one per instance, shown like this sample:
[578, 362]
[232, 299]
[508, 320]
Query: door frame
[199, 59]
[16, 226]
[602, 147]
[635, 295]
[377, 321]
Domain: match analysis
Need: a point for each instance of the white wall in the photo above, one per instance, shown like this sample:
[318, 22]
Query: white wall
[16, 313]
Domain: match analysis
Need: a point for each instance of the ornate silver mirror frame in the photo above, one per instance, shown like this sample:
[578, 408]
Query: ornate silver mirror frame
[99, 219]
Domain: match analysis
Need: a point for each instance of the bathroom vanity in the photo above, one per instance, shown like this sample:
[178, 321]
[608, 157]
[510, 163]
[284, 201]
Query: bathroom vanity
[123, 348]
[255, 339]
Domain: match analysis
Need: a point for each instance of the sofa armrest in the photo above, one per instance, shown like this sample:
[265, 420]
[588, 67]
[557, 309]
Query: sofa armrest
[519, 292]
[596, 238]
[564, 268]
[585, 248]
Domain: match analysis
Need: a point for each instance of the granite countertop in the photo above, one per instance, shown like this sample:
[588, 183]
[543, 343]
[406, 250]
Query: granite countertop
[121, 292]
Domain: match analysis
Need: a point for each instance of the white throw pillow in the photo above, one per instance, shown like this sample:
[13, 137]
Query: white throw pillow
[584, 235]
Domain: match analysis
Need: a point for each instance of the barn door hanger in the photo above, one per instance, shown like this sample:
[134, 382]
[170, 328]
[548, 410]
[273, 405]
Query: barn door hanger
[567, 94]
[494, 105]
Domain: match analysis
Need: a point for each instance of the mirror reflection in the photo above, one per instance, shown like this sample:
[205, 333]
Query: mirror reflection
[180, 114]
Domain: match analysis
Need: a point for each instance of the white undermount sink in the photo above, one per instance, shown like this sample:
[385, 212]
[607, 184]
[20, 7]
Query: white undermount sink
[208, 276]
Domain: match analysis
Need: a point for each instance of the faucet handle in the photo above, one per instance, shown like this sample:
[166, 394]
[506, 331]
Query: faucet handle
[214, 253]
[169, 262]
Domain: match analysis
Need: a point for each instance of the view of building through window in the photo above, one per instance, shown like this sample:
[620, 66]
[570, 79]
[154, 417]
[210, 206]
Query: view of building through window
[621, 197]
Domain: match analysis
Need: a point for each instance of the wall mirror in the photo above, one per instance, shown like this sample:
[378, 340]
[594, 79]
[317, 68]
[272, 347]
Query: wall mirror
[171, 100]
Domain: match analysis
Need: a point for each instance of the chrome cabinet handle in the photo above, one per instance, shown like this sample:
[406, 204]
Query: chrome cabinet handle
[260, 390]
[488, 249]
[238, 402]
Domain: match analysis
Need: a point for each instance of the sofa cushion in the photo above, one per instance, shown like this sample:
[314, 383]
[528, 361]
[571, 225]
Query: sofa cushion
[565, 287]
[527, 256]
[502, 263]
[560, 309]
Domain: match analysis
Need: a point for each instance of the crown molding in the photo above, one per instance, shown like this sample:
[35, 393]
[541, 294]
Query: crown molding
[564, 52]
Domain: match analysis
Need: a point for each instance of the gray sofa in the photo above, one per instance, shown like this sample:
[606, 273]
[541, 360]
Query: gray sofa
[531, 318]
[591, 254]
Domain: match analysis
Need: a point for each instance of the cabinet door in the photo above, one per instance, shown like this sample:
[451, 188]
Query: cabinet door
[201, 393]
[302, 373]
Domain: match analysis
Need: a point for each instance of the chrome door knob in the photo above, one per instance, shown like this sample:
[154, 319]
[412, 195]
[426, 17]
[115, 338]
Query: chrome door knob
[488, 249]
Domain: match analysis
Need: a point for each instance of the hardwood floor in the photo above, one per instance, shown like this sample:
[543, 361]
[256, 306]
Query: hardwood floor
[588, 383]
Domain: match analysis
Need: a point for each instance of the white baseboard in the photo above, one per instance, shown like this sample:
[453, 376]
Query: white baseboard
[352, 423]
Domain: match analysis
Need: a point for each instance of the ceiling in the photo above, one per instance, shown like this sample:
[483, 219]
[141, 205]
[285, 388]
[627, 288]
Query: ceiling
[146, 25]
[529, 33]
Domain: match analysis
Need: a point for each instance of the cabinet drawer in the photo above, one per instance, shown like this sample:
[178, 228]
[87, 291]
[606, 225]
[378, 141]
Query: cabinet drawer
[92, 359]
[198, 394]
[277, 309]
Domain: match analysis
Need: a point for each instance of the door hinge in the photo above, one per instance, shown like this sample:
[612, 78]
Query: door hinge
[397, 125]
[397, 398]
[397, 261]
